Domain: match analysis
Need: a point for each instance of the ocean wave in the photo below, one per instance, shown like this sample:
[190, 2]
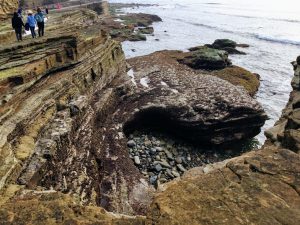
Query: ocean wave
[255, 17]
[253, 35]
[206, 26]
[276, 40]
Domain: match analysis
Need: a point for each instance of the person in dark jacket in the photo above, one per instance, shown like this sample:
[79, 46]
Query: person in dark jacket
[17, 24]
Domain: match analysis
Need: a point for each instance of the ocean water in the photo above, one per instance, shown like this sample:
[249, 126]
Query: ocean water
[270, 27]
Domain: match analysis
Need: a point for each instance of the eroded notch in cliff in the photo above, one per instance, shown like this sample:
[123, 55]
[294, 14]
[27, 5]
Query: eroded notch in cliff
[163, 148]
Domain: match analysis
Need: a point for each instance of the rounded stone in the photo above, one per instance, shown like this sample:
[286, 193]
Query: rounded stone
[178, 160]
[158, 167]
[153, 179]
[131, 143]
[137, 160]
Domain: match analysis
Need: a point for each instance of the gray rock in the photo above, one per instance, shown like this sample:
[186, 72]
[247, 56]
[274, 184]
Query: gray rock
[169, 173]
[159, 149]
[131, 143]
[152, 151]
[163, 180]
[158, 167]
[169, 154]
[153, 179]
[175, 173]
[181, 168]
[151, 174]
[137, 160]
[178, 160]
[157, 157]
[164, 163]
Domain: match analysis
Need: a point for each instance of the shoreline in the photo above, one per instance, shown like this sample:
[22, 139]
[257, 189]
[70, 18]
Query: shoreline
[89, 137]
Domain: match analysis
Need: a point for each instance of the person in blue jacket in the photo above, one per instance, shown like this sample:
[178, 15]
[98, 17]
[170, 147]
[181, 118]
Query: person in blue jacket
[40, 18]
[31, 22]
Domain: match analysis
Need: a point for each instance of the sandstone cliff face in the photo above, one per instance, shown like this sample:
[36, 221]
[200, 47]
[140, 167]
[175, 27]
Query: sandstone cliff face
[46, 86]
[285, 133]
[7, 7]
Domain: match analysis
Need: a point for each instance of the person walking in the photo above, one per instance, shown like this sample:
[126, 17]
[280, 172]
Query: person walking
[31, 22]
[40, 18]
[17, 24]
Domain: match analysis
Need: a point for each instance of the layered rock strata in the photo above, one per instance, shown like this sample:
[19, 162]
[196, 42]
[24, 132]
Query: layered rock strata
[65, 114]
[200, 108]
[7, 7]
[285, 133]
[52, 91]
[260, 187]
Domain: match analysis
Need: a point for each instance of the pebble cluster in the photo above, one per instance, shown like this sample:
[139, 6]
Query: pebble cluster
[160, 159]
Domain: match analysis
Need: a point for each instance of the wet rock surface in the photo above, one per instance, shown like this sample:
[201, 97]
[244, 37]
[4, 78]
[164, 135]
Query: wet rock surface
[130, 26]
[224, 44]
[206, 58]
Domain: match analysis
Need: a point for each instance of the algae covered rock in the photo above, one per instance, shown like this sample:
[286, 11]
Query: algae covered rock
[207, 58]
[224, 44]
[50, 207]
[239, 76]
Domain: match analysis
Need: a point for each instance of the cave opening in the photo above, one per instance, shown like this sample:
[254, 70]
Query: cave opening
[163, 148]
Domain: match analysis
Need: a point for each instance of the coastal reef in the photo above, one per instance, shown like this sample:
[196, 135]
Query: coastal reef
[88, 137]
[130, 26]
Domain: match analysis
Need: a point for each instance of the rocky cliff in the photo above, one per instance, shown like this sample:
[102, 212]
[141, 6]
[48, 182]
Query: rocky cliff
[260, 187]
[7, 7]
[68, 107]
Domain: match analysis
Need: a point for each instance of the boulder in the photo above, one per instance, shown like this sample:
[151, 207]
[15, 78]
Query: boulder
[146, 30]
[224, 43]
[140, 19]
[137, 37]
[194, 106]
[206, 58]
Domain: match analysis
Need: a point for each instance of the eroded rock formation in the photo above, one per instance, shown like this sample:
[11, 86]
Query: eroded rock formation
[67, 107]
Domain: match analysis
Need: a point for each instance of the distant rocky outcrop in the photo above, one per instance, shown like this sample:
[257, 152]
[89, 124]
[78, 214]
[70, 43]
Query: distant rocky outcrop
[224, 44]
[206, 58]
[130, 27]
[7, 7]
[216, 62]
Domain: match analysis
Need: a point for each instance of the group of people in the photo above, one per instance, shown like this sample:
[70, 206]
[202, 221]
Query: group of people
[32, 20]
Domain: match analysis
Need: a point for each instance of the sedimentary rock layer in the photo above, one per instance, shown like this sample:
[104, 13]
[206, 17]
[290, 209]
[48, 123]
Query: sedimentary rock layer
[7, 7]
[66, 111]
[191, 105]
